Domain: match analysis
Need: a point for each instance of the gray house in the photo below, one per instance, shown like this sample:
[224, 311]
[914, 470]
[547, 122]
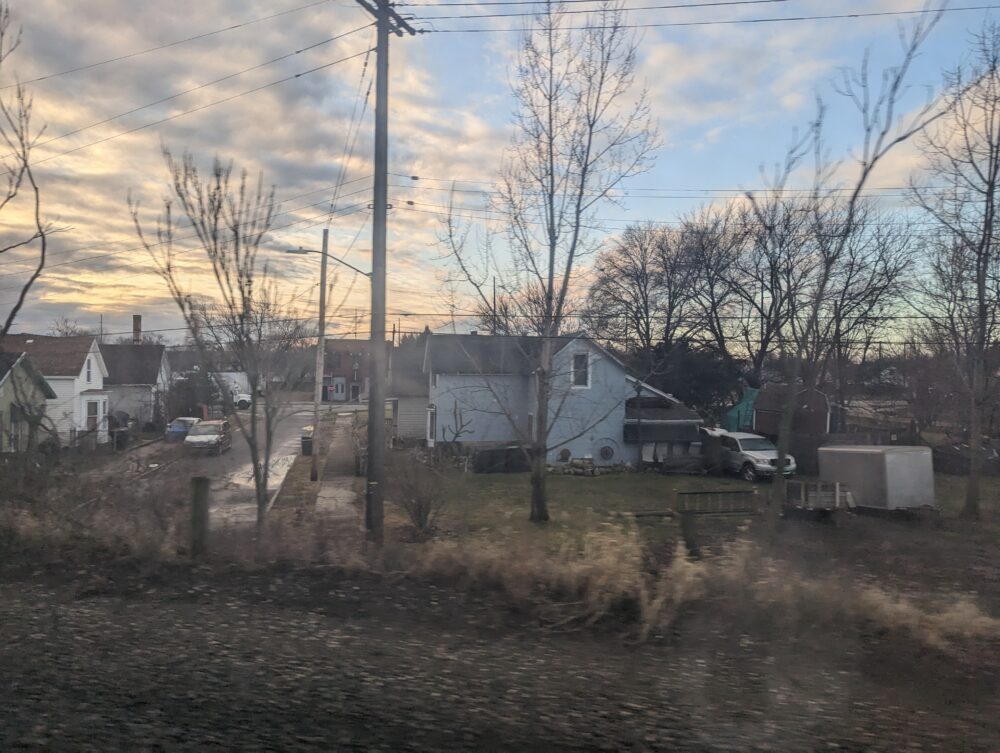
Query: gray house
[481, 391]
[137, 381]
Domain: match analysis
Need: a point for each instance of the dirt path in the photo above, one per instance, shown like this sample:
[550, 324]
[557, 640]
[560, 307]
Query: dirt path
[316, 661]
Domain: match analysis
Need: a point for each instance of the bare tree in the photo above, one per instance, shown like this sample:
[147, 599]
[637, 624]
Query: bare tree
[578, 135]
[642, 295]
[63, 326]
[866, 286]
[834, 212]
[22, 196]
[963, 293]
[230, 218]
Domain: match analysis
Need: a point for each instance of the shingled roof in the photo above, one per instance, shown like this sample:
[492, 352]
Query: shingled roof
[52, 356]
[132, 363]
[9, 360]
[406, 370]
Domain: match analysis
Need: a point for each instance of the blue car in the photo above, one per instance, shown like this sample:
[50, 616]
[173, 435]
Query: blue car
[178, 429]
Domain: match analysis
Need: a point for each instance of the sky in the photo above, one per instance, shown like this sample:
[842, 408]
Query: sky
[725, 97]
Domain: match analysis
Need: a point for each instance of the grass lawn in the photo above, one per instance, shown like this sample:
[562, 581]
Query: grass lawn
[491, 504]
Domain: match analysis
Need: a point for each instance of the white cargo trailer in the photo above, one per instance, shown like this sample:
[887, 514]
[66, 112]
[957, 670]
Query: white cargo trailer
[883, 477]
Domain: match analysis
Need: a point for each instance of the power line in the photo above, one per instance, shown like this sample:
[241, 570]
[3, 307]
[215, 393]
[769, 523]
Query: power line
[591, 10]
[167, 45]
[569, 2]
[720, 22]
[741, 191]
[199, 108]
[64, 252]
[313, 220]
[196, 88]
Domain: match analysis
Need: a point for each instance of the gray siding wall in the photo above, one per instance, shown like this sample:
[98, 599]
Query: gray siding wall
[483, 402]
[138, 400]
[596, 412]
[411, 419]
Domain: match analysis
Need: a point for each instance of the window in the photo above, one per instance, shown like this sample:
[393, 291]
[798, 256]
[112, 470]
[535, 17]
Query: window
[581, 370]
[92, 415]
[607, 452]
[88, 370]
[565, 455]
[431, 425]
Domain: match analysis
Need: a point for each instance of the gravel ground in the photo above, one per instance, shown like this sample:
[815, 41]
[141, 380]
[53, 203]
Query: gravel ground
[313, 660]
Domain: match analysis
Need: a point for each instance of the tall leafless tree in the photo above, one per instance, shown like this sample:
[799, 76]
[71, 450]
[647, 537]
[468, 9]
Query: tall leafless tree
[834, 209]
[21, 200]
[579, 132]
[963, 303]
[642, 294]
[230, 218]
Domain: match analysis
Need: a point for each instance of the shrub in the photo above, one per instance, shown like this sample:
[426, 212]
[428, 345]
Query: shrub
[416, 488]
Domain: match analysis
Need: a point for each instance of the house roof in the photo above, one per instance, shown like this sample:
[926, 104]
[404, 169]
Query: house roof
[52, 356]
[406, 372]
[480, 354]
[132, 363]
[659, 409]
[10, 360]
[490, 354]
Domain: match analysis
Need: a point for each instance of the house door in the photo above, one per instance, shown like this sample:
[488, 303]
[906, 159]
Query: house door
[92, 415]
[355, 392]
[339, 389]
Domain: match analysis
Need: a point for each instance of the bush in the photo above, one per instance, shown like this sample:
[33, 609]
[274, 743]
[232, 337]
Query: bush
[416, 489]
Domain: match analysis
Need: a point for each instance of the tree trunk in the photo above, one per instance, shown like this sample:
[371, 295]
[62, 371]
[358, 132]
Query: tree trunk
[539, 473]
[971, 509]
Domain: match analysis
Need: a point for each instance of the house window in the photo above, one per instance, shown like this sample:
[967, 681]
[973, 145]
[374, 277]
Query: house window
[92, 415]
[88, 371]
[431, 425]
[581, 370]
[607, 452]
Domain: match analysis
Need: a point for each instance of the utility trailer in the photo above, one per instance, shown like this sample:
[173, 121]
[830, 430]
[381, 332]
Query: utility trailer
[881, 478]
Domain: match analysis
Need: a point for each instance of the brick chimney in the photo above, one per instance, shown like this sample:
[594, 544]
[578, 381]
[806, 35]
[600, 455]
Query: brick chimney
[136, 328]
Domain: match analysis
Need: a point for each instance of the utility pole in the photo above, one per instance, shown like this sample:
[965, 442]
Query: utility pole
[320, 360]
[386, 20]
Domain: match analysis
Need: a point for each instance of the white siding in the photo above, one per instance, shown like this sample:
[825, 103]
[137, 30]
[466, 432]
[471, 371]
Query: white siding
[411, 417]
[63, 409]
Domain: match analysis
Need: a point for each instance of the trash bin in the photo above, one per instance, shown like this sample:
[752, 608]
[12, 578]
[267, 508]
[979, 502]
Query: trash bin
[307, 440]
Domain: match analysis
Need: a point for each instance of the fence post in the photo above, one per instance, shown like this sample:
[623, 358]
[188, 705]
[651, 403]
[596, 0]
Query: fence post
[199, 515]
[689, 531]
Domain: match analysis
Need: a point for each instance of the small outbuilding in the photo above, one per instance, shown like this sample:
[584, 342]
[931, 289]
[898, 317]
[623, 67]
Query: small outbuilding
[880, 476]
[812, 411]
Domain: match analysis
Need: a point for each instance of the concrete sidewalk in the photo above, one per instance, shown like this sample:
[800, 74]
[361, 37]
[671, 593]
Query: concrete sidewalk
[337, 498]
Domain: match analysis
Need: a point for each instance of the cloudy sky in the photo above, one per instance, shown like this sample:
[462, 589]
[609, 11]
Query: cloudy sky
[726, 96]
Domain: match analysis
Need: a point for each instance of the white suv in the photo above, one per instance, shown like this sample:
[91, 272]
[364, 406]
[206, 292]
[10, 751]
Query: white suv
[752, 456]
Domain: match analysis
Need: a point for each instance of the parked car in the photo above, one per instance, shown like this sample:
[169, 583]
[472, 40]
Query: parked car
[752, 456]
[178, 428]
[209, 436]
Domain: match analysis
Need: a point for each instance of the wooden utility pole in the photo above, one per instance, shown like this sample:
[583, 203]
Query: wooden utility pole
[320, 360]
[386, 20]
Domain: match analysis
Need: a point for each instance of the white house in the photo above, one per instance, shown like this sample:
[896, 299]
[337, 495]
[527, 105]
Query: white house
[75, 370]
[481, 390]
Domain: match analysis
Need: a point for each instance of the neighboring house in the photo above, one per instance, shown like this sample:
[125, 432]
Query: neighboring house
[23, 397]
[812, 411]
[75, 370]
[138, 378]
[409, 389]
[223, 367]
[345, 371]
[482, 391]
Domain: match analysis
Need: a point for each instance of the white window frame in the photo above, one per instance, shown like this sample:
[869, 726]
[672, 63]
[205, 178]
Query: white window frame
[431, 428]
[575, 386]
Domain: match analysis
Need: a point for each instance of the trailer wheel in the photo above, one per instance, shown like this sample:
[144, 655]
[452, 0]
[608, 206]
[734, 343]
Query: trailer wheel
[748, 473]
